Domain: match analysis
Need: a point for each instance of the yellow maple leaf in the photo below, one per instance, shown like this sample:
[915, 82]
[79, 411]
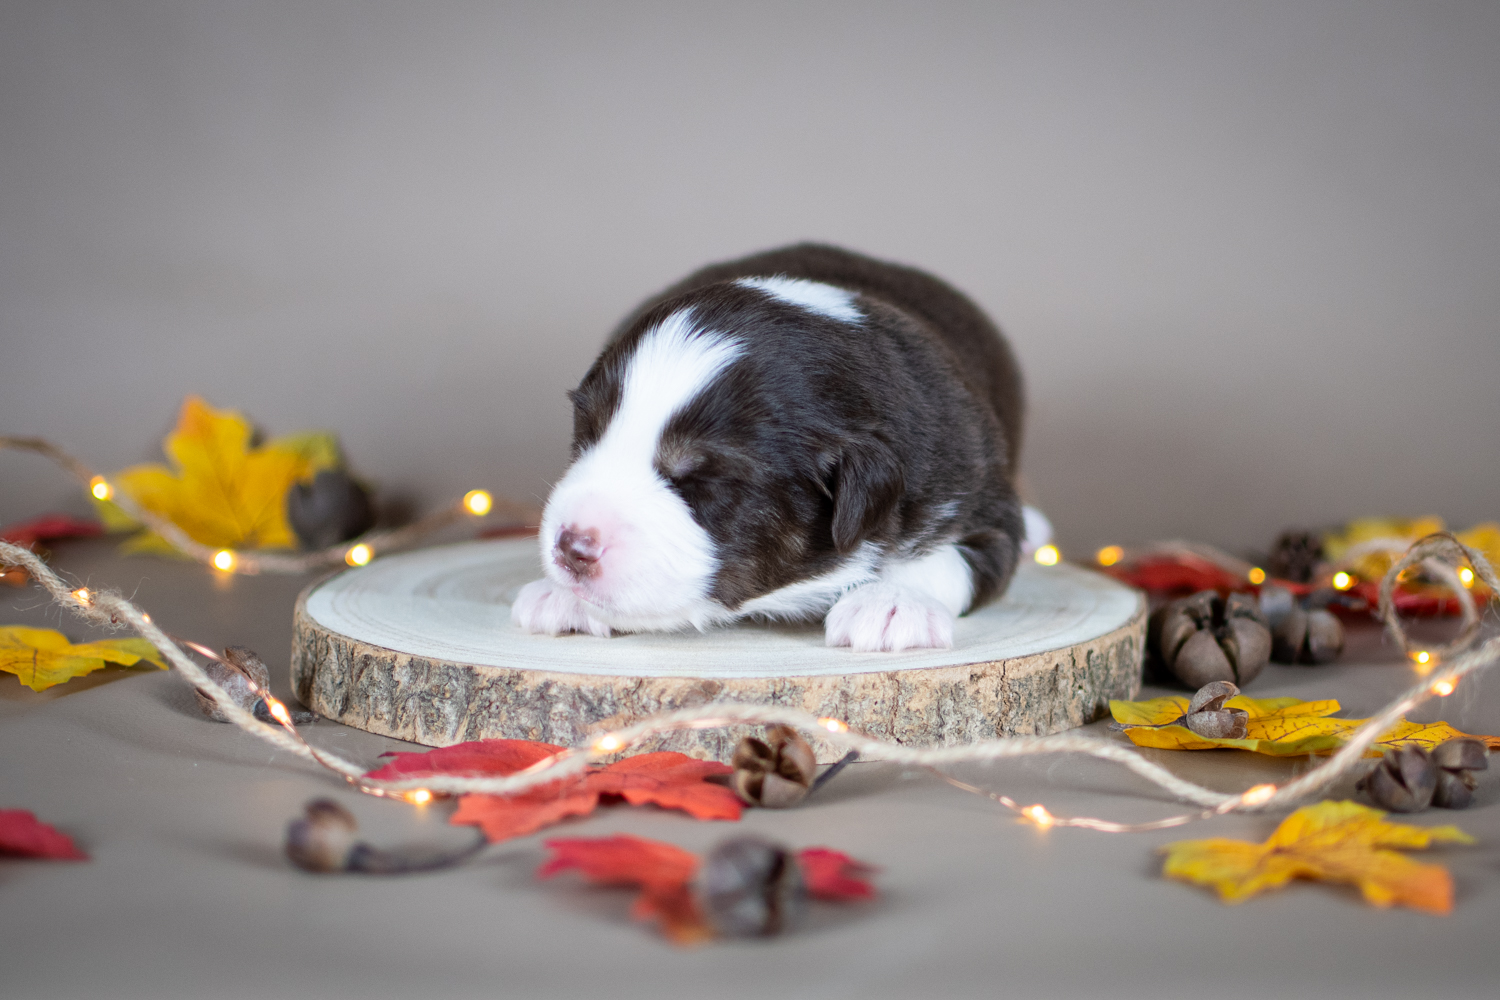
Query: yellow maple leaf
[1277, 727]
[1486, 538]
[223, 492]
[41, 657]
[1331, 842]
[1373, 566]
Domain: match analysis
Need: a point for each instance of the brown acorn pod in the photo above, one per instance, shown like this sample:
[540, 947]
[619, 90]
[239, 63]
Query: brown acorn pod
[1462, 753]
[1223, 724]
[322, 839]
[1211, 697]
[1205, 637]
[1402, 781]
[1455, 761]
[241, 673]
[775, 773]
[1302, 636]
[1296, 555]
[748, 887]
[1454, 789]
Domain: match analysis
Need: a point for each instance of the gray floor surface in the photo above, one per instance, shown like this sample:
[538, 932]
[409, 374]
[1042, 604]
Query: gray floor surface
[187, 894]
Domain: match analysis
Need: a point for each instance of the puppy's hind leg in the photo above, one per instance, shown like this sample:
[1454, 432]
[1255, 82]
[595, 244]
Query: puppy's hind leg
[911, 606]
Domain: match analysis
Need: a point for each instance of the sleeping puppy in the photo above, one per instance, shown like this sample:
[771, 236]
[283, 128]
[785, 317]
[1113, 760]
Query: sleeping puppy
[803, 433]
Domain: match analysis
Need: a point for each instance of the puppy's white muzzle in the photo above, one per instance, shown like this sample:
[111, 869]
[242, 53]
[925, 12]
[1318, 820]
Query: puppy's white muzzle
[627, 547]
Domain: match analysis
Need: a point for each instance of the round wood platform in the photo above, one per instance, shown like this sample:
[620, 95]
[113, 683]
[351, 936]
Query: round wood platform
[420, 646]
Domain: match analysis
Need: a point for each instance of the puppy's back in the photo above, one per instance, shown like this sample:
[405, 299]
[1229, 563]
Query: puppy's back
[985, 361]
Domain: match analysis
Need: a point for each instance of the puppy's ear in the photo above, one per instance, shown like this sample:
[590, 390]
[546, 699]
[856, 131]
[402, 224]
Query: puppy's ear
[867, 485]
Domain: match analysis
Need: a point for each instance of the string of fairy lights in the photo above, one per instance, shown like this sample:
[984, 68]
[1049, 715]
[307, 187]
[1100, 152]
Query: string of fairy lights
[1448, 666]
[355, 552]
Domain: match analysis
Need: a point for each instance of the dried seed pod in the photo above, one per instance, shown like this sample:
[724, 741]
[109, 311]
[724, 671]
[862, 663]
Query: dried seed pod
[1211, 696]
[1402, 781]
[323, 838]
[332, 508]
[1295, 556]
[1455, 759]
[1206, 638]
[776, 773]
[1454, 790]
[1463, 753]
[1275, 604]
[749, 887]
[1225, 724]
[1315, 636]
[1207, 716]
[242, 674]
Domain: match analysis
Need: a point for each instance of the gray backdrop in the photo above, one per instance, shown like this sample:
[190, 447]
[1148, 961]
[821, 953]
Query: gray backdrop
[1248, 252]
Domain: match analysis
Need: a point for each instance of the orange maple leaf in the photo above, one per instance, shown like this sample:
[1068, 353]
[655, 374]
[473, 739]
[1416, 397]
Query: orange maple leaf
[667, 779]
[1331, 842]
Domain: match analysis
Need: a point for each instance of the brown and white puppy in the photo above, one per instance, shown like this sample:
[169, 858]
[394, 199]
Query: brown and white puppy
[801, 433]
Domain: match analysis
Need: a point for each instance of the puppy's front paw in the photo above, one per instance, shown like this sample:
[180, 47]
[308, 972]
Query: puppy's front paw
[881, 618]
[544, 607]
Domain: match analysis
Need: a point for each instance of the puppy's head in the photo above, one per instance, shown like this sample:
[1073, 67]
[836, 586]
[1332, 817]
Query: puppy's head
[709, 470]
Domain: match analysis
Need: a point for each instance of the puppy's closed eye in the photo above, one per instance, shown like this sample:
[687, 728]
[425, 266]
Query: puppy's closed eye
[677, 461]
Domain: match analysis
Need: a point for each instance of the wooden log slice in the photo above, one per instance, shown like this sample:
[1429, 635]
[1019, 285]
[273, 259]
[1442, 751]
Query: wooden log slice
[420, 646]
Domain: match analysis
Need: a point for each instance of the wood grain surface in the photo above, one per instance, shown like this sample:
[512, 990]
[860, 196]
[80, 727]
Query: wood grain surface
[420, 646]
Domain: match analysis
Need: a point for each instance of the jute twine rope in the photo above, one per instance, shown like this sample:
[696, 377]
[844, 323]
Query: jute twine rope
[251, 562]
[109, 608]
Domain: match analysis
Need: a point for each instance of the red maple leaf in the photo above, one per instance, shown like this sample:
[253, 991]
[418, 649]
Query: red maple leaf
[664, 874]
[620, 860]
[22, 833]
[667, 779]
[49, 528]
[834, 876]
[475, 757]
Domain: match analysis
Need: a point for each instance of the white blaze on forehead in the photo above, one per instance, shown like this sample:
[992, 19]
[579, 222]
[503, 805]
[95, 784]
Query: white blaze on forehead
[671, 365]
[814, 296]
[656, 563]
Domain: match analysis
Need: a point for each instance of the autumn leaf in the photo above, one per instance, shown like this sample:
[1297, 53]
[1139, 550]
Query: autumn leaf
[1331, 842]
[33, 533]
[620, 860]
[664, 873]
[667, 779]
[661, 871]
[49, 528]
[1278, 727]
[221, 491]
[41, 657]
[23, 834]
[477, 757]
[834, 876]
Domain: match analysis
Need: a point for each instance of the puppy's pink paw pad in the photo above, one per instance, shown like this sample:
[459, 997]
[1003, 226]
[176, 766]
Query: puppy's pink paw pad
[880, 618]
[545, 608]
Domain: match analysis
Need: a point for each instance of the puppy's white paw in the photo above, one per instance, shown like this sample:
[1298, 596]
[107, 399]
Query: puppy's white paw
[882, 618]
[544, 607]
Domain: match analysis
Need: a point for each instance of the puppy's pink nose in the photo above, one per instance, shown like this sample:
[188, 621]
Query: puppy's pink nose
[578, 551]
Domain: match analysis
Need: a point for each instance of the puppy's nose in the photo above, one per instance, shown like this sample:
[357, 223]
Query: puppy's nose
[578, 551]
